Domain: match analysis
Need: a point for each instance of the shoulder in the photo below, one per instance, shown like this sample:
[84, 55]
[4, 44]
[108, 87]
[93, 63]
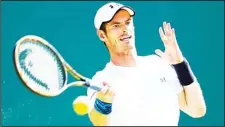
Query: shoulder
[98, 74]
[102, 74]
[158, 63]
[98, 78]
[153, 59]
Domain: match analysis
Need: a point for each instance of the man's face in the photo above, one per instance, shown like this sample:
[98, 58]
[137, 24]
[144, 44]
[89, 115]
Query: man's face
[120, 33]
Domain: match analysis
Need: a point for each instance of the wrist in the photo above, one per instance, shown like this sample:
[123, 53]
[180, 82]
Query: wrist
[102, 107]
[179, 59]
[184, 73]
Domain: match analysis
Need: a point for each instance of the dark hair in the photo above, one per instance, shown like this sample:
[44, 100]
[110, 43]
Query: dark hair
[103, 28]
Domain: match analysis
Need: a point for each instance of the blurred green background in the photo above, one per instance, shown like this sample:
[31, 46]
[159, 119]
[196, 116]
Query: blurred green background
[69, 27]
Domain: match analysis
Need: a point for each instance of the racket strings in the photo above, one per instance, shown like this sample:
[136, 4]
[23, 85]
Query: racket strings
[58, 63]
[22, 57]
[36, 77]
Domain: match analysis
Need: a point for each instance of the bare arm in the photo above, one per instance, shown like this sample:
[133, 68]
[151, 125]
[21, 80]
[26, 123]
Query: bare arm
[191, 100]
[97, 118]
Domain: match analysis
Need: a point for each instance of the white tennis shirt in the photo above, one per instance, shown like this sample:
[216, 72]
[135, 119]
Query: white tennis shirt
[145, 94]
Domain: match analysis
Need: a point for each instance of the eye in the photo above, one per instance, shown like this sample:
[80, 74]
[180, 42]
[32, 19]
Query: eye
[128, 23]
[116, 26]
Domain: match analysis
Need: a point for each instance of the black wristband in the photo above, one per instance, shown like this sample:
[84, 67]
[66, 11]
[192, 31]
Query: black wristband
[184, 73]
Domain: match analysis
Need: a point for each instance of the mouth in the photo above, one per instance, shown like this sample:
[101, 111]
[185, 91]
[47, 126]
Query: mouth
[125, 38]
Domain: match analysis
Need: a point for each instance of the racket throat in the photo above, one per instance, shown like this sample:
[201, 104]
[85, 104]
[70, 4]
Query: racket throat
[86, 83]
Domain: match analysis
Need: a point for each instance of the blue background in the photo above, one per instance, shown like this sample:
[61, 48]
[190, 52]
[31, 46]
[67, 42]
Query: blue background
[69, 27]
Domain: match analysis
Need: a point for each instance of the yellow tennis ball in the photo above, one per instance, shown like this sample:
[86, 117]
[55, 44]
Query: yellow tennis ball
[81, 105]
[80, 108]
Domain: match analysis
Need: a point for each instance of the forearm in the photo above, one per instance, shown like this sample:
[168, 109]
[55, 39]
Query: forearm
[191, 99]
[100, 113]
[195, 104]
[98, 119]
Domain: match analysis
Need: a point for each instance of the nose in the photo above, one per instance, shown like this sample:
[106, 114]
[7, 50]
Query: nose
[125, 29]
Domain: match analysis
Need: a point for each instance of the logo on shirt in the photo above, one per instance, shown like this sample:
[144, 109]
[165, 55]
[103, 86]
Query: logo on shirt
[163, 79]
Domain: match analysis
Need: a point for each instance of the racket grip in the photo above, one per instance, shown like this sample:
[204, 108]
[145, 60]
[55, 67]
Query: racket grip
[88, 83]
[95, 88]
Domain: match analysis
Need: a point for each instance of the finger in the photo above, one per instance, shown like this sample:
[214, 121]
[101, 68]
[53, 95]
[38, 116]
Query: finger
[113, 92]
[165, 27]
[169, 26]
[110, 92]
[169, 29]
[174, 37]
[104, 89]
[162, 36]
[159, 52]
[173, 33]
[105, 83]
[107, 91]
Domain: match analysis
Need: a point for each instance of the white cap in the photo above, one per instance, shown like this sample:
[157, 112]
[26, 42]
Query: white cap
[107, 12]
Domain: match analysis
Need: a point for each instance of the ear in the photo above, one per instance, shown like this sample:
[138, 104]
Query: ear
[101, 35]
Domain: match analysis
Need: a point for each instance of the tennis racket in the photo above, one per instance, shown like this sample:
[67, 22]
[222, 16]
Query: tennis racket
[42, 69]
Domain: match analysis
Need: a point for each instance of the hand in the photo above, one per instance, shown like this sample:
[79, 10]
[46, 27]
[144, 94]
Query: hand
[172, 53]
[106, 94]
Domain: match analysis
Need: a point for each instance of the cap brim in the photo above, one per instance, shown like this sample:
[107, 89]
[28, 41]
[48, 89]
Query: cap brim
[127, 8]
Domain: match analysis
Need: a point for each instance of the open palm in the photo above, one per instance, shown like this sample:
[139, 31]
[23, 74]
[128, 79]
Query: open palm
[172, 51]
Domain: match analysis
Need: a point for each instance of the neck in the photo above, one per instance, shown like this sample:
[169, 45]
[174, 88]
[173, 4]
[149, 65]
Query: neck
[125, 60]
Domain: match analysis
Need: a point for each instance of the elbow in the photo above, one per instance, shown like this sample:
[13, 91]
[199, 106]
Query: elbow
[198, 112]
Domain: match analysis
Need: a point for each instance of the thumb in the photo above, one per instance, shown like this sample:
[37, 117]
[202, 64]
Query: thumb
[105, 87]
[104, 83]
[159, 52]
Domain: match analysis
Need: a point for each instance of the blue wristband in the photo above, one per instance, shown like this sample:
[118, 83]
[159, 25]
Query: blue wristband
[103, 107]
[184, 73]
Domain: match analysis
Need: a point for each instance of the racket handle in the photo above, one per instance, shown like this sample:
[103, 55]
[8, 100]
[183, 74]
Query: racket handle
[95, 88]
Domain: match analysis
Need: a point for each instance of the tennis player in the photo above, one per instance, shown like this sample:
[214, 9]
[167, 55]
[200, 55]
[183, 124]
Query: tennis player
[141, 90]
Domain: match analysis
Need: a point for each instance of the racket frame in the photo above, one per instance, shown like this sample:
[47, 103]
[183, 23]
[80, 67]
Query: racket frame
[66, 67]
